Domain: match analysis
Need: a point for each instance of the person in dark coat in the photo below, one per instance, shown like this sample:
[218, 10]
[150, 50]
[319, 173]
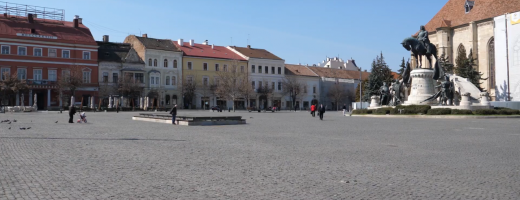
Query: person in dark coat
[321, 111]
[72, 111]
[173, 112]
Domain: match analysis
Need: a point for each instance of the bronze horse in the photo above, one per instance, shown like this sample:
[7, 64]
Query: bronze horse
[418, 49]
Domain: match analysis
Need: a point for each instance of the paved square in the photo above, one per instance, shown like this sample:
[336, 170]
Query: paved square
[284, 155]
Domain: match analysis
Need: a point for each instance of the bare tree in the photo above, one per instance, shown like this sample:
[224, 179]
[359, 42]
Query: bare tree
[231, 81]
[247, 91]
[129, 87]
[189, 87]
[71, 79]
[264, 92]
[10, 85]
[337, 93]
[292, 88]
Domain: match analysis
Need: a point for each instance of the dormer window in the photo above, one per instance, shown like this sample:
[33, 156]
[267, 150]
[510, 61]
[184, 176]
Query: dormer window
[469, 5]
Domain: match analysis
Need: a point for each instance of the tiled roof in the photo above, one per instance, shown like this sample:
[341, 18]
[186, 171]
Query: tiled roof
[109, 51]
[454, 13]
[202, 50]
[339, 73]
[256, 53]
[298, 70]
[158, 44]
[63, 30]
[395, 75]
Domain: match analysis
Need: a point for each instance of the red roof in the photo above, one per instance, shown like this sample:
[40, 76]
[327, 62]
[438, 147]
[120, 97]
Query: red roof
[202, 50]
[63, 30]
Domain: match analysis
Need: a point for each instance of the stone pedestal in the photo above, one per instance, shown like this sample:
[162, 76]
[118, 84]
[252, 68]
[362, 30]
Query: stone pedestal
[465, 102]
[422, 87]
[374, 101]
[484, 99]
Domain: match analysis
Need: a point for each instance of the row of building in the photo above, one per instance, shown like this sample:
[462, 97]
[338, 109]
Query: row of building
[40, 49]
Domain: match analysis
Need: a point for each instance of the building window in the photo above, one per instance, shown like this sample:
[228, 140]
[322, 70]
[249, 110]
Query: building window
[491, 63]
[225, 68]
[174, 80]
[205, 66]
[253, 69]
[155, 62]
[174, 63]
[37, 74]
[22, 51]
[205, 81]
[37, 52]
[165, 62]
[105, 77]
[189, 79]
[52, 52]
[65, 74]
[216, 67]
[279, 70]
[253, 85]
[272, 86]
[22, 73]
[86, 55]
[305, 89]
[189, 66]
[279, 86]
[6, 72]
[52, 75]
[259, 84]
[242, 68]
[314, 89]
[266, 70]
[150, 62]
[65, 54]
[167, 99]
[6, 49]
[272, 70]
[139, 77]
[115, 77]
[217, 81]
[259, 69]
[86, 76]
[167, 80]
[157, 82]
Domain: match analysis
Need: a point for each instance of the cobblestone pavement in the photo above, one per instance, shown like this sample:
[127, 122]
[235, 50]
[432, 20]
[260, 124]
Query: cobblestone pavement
[286, 155]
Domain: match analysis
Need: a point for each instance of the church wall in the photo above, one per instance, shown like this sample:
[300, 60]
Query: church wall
[485, 33]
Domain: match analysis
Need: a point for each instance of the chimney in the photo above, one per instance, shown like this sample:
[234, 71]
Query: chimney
[75, 21]
[212, 46]
[145, 35]
[5, 15]
[105, 38]
[205, 42]
[249, 46]
[192, 42]
[181, 42]
[33, 30]
[30, 18]
[80, 20]
[76, 16]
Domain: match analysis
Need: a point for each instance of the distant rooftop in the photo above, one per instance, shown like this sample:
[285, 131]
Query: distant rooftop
[14, 9]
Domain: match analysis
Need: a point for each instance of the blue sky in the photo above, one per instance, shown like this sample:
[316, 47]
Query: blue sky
[299, 31]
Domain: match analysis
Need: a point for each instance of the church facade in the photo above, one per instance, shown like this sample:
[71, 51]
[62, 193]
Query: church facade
[470, 25]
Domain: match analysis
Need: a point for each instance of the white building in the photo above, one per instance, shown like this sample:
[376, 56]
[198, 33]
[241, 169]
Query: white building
[310, 85]
[338, 63]
[163, 66]
[265, 68]
[116, 59]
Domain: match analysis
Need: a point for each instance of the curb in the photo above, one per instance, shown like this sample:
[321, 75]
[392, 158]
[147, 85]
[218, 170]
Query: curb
[440, 116]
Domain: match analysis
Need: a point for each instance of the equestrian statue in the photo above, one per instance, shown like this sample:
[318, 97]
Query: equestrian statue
[422, 47]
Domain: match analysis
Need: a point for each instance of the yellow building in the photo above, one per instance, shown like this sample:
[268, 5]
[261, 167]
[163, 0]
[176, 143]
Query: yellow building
[201, 65]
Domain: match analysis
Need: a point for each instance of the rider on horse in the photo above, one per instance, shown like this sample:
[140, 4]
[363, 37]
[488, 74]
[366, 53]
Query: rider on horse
[423, 38]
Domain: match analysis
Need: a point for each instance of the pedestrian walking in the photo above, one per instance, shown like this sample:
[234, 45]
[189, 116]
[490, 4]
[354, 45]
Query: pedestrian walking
[344, 109]
[72, 111]
[321, 111]
[173, 112]
[313, 110]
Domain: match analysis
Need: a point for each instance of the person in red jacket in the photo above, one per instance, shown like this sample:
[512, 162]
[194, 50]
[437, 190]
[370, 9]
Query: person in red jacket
[313, 110]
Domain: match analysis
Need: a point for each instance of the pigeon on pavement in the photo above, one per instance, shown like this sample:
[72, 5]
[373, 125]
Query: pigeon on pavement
[14, 120]
[56, 122]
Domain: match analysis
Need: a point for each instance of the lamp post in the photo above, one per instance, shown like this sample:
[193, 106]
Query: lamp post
[360, 89]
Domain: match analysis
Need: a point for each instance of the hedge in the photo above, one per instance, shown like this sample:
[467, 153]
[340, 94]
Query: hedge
[361, 111]
[384, 111]
[461, 112]
[413, 109]
[485, 112]
[439, 111]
